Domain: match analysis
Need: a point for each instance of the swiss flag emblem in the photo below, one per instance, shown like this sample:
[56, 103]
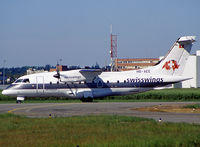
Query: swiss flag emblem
[172, 64]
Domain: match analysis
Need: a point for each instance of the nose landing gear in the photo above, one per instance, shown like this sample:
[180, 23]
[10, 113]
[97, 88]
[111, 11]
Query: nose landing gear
[20, 99]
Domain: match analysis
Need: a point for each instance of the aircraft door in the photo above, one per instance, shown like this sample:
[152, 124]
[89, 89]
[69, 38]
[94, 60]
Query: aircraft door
[40, 86]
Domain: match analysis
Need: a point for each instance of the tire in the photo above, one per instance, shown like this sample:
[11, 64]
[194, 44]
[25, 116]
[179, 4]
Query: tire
[18, 102]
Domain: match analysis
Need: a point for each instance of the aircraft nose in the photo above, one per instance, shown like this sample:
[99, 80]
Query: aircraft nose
[9, 92]
[4, 92]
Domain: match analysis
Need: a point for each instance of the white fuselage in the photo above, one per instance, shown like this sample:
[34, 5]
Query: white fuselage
[76, 85]
[84, 83]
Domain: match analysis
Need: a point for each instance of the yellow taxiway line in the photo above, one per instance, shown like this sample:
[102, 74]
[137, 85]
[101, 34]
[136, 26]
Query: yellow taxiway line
[34, 107]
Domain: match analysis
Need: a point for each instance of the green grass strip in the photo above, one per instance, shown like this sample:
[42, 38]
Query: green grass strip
[95, 131]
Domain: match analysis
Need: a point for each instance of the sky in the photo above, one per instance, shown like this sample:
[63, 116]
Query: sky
[77, 32]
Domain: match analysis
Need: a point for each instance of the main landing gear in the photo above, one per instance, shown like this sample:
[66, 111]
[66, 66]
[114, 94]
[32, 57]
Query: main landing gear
[89, 99]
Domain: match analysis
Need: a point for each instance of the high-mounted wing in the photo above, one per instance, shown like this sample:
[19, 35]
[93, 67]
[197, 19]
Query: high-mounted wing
[90, 74]
[87, 75]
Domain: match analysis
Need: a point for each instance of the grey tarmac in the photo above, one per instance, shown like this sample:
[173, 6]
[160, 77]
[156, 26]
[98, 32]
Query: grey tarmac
[108, 108]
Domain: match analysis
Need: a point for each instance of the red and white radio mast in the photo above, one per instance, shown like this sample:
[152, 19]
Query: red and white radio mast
[113, 49]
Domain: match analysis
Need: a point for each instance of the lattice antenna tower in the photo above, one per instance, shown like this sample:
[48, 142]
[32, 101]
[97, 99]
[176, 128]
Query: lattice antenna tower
[113, 49]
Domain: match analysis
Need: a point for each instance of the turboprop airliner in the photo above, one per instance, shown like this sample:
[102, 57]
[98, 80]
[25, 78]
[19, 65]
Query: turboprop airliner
[87, 84]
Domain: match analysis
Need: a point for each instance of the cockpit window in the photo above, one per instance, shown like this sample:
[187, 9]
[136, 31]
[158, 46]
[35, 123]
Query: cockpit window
[19, 81]
[26, 81]
[22, 81]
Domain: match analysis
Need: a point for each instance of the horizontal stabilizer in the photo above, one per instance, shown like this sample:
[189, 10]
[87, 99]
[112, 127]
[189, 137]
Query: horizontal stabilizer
[186, 40]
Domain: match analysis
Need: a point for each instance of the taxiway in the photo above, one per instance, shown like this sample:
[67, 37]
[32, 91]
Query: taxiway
[113, 108]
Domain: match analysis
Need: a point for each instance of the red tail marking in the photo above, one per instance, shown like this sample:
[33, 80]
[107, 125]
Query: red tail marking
[166, 65]
[175, 66]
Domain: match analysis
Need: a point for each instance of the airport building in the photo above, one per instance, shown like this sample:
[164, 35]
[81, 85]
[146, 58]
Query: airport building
[60, 68]
[192, 68]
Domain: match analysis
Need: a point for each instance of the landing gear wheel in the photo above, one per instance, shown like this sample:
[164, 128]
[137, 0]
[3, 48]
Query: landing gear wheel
[18, 101]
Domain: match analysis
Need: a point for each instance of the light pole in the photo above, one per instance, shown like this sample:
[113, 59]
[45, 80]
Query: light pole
[4, 62]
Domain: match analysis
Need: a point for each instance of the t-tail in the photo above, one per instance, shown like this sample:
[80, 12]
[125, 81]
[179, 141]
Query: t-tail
[174, 62]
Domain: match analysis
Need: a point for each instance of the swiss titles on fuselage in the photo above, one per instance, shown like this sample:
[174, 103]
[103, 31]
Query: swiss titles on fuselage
[144, 80]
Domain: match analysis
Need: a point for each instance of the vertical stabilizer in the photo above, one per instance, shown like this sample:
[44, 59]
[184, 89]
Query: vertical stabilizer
[174, 62]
